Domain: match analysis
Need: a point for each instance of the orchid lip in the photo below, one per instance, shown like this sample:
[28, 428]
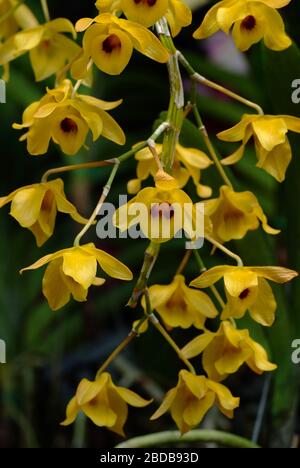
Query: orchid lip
[248, 23]
[111, 43]
[68, 126]
[163, 210]
[244, 294]
[150, 3]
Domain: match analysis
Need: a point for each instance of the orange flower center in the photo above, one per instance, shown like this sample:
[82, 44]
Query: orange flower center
[150, 3]
[47, 201]
[233, 214]
[176, 302]
[162, 210]
[248, 23]
[244, 294]
[111, 43]
[68, 126]
[93, 402]
[46, 44]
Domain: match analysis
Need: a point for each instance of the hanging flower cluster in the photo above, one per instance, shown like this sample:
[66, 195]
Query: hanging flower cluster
[68, 118]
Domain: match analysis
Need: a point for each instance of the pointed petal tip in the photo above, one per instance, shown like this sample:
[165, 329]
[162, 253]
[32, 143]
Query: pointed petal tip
[83, 24]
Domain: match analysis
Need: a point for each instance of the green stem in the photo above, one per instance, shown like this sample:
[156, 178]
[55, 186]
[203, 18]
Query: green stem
[75, 167]
[152, 146]
[129, 338]
[171, 130]
[106, 189]
[93, 165]
[79, 431]
[117, 351]
[199, 260]
[227, 251]
[209, 145]
[150, 258]
[132, 152]
[173, 345]
[174, 437]
[184, 262]
[176, 105]
[102, 199]
[79, 83]
[45, 8]
[204, 81]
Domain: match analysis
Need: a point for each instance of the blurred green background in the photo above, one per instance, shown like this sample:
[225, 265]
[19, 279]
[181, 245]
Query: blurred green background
[48, 353]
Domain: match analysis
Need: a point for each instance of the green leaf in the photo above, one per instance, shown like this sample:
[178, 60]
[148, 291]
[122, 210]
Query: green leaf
[279, 71]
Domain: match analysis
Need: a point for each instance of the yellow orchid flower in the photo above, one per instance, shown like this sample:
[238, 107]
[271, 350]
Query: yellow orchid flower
[250, 21]
[148, 12]
[273, 149]
[104, 403]
[178, 16]
[67, 120]
[188, 162]
[35, 207]
[48, 48]
[21, 18]
[247, 289]
[10, 25]
[191, 399]
[233, 214]
[180, 306]
[109, 6]
[109, 41]
[161, 212]
[72, 271]
[225, 351]
[145, 12]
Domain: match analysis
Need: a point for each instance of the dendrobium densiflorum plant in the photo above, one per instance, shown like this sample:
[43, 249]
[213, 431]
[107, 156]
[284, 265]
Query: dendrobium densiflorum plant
[167, 190]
